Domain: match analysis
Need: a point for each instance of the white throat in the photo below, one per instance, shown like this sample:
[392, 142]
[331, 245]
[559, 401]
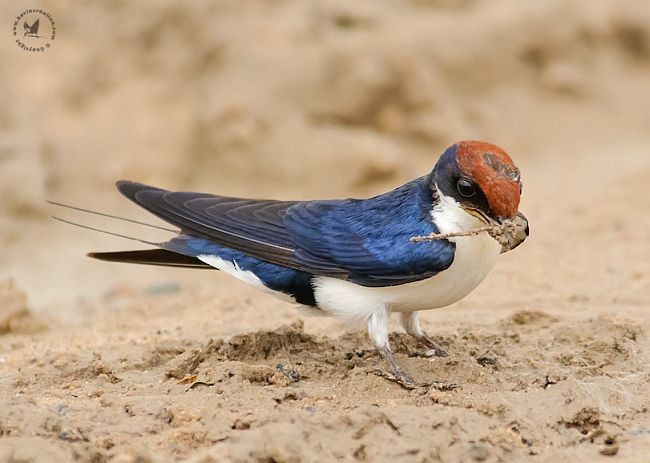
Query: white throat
[450, 217]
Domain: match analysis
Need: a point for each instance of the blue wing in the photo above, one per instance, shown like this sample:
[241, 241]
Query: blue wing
[363, 241]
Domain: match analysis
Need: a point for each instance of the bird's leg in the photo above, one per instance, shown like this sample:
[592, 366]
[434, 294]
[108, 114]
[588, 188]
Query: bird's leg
[411, 323]
[378, 331]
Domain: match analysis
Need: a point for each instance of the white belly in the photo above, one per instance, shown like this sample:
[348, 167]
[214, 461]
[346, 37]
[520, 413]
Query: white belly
[474, 258]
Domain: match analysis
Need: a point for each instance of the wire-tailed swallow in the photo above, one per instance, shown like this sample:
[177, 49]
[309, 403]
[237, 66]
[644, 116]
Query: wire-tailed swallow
[354, 258]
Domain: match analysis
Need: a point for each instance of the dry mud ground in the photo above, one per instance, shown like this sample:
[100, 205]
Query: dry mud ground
[101, 362]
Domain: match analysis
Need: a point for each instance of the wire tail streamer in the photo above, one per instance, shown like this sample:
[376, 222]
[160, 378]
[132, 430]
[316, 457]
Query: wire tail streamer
[110, 216]
[105, 231]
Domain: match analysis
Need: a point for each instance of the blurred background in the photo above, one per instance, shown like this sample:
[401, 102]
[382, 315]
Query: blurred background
[323, 99]
[305, 99]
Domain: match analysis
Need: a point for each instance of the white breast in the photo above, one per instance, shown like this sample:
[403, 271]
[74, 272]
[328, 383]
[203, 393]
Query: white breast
[474, 258]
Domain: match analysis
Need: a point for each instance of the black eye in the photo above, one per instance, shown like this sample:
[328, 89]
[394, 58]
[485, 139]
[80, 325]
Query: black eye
[465, 188]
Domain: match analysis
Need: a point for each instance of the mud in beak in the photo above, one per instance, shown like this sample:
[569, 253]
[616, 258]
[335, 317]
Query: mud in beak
[521, 232]
[520, 222]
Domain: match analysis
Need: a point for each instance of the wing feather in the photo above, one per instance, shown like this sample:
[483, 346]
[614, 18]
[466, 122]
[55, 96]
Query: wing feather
[364, 241]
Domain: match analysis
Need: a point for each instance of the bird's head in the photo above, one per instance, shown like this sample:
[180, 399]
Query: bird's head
[481, 178]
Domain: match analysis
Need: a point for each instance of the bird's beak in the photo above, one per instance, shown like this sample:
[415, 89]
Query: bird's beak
[480, 215]
[521, 226]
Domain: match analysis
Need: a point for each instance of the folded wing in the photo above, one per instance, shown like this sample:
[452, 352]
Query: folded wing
[363, 241]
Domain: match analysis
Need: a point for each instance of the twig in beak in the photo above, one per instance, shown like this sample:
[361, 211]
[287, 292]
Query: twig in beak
[504, 233]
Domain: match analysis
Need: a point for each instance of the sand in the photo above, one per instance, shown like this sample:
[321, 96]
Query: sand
[549, 357]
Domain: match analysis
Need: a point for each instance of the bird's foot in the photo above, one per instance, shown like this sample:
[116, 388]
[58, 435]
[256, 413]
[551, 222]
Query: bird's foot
[433, 349]
[400, 377]
[405, 380]
[395, 373]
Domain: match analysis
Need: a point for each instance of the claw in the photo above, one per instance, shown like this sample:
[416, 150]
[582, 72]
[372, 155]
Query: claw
[400, 377]
[434, 350]
[407, 382]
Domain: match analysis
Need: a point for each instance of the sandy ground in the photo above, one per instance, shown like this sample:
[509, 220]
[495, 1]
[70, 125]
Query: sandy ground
[289, 99]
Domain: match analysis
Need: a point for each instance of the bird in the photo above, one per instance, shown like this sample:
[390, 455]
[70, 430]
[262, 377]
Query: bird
[352, 259]
[31, 31]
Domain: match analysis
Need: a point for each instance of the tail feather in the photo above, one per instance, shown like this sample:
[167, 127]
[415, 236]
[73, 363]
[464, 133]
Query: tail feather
[160, 257]
[110, 216]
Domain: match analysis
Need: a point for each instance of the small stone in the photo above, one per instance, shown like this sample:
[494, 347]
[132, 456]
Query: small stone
[609, 450]
[486, 360]
[63, 409]
[611, 446]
